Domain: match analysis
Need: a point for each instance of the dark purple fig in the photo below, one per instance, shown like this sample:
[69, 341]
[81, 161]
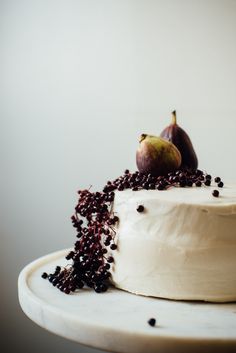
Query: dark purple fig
[175, 134]
[157, 156]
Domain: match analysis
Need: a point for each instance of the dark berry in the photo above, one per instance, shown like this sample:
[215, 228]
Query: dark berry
[109, 238]
[160, 187]
[189, 183]
[113, 246]
[50, 278]
[175, 179]
[58, 269]
[80, 284]
[207, 182]
[106, 231]
[120, 188]
[220, 184]
[152, 322]
[182, 177]
[44, 275]
[100, 287]
[215, 193]
[70, 255]
[140, 208]
[199, 172]
[55, 281]
[217, 179]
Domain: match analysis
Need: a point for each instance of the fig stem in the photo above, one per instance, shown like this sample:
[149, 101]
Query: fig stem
[174, 119]
[142, 137]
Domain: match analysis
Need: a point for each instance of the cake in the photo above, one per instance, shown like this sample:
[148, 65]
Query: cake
[181, 246]
[170, 237]
[167, 230]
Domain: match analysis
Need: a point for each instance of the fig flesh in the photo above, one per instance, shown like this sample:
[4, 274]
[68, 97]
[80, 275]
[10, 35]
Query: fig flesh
[157, 156]
[175, 134]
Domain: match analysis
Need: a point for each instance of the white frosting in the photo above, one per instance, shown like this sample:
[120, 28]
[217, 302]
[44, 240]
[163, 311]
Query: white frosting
[183, 246]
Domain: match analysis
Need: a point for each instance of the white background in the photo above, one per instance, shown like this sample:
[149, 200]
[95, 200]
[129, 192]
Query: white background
[80, 81]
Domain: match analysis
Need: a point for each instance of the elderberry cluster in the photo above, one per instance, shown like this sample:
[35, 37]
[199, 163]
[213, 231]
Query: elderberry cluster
[182, 178]
[95, 223]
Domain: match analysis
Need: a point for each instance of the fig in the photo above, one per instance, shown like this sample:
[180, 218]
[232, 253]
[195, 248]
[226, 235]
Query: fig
[157, 156]
[175, 134]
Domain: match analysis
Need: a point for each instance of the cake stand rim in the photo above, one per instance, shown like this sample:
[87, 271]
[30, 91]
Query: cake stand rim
[35, 300]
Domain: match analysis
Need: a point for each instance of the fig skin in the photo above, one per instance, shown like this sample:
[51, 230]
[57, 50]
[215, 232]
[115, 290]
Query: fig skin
[175, 134]
[157, 156]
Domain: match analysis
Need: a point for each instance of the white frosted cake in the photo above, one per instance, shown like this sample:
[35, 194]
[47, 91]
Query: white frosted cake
[167, 230]
[182, 246]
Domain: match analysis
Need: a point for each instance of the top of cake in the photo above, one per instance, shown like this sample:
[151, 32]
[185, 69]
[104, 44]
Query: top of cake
[200, 196]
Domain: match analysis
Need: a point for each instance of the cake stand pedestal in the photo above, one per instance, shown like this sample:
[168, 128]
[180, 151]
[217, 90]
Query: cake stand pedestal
[116, 321]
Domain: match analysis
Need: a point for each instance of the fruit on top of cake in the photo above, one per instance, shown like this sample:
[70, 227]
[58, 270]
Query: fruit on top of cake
[175, 134]
[157, 156]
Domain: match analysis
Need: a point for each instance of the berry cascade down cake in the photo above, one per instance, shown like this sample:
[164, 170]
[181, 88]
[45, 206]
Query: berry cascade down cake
[167, 230]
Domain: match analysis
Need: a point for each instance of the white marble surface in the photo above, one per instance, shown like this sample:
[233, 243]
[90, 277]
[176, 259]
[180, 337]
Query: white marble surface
[117, 321]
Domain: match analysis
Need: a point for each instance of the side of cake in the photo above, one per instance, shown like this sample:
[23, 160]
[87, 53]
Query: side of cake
[181, 246]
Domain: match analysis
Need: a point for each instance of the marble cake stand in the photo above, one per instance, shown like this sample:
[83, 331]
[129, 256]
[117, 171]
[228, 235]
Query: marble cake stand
[117, 321]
